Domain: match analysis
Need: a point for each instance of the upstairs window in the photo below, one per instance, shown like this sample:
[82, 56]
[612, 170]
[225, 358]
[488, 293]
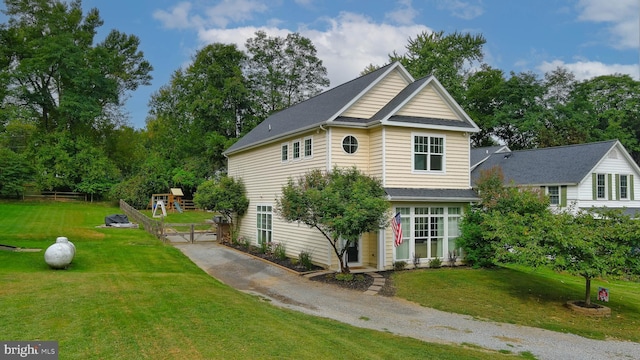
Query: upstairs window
[624, 187]
[350, 144]
[308, 147]
[428, 153]
[601, 186]
[296, 150]
[284, 153]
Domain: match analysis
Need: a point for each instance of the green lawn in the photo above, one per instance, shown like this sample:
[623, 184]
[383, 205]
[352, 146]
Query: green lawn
[128, 296]
[520, 295]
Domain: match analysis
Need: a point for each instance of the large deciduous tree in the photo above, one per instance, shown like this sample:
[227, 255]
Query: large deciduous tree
[341, 204]
[448, 57]
[201, 112]
[55, 69]
[283, 71]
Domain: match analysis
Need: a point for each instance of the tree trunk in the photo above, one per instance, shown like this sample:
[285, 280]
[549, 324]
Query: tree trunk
[587, 294]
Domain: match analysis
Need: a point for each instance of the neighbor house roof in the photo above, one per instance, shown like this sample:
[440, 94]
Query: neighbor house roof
[437, 195]
[314, 111]
[554, 165]
[480, 154]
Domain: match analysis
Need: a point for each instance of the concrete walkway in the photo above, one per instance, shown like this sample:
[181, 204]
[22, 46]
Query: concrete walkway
[394, 315]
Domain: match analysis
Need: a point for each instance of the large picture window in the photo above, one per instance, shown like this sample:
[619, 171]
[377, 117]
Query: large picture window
[428, 232]
[428, 153]
[264, 224]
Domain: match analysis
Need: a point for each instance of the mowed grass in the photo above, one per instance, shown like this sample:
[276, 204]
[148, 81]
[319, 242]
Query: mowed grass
[128, 296]
[525, 296]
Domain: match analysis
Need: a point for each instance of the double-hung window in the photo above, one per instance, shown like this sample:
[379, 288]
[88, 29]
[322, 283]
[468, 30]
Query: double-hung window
[601, 186]
[296, 150]
[554, 195]
[428, 153]
[623, 187]
[308, 147]
[284, 153]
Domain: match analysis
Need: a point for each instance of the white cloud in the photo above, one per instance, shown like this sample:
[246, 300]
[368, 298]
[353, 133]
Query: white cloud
[463, 9]
[219, 15]
[622, 16]
[404, 14]
[346, 46]
[589, 69]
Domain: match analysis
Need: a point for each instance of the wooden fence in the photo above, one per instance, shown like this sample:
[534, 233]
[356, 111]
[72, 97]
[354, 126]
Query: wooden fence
[57, 195]
[153, 227]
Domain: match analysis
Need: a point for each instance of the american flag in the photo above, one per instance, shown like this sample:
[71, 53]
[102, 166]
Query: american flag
[396, 226]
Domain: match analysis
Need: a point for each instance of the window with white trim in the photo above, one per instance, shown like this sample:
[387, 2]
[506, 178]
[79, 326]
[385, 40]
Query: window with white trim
[264, 224]
[350, 144]
[284, 153]
[428, 232]
[554, 195]
[428, 153]
[296, 150]
[308, 147]
[601, 186]
[623, 187]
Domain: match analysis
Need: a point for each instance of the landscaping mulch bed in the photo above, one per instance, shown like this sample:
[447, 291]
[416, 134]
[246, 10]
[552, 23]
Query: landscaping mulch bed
[360, 282]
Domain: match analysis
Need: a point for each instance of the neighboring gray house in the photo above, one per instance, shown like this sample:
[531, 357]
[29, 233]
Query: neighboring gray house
[584, 176]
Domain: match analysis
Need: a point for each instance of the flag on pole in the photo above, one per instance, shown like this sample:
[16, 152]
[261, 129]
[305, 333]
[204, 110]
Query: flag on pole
[396, 226]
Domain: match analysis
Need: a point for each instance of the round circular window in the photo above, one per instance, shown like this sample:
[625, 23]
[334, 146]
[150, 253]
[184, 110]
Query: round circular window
[350, 144]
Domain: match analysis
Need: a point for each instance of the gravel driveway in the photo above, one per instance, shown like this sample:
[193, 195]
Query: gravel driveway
[392, 315]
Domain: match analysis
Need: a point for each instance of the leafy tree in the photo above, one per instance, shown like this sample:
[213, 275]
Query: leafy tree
[56, 71]
[225, 195]
[609, 108]
[482, 100]
[15, 173]
[201, 112]
[520, 113]
[283, 71]
[447, 57]
[516, 225]
[341, 204]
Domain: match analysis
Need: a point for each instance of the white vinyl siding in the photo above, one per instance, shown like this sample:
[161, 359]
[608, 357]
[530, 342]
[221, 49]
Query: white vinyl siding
[342, 159]
[377, 97]
[428, 103]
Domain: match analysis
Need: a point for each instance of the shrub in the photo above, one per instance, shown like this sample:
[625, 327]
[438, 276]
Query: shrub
[264, 247]
[399, 265]
[305, 260]
[435, 263]
[279, 251]
[344, 276]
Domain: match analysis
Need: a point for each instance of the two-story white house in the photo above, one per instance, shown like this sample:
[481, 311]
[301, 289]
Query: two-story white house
[575, 177]
[408, 133]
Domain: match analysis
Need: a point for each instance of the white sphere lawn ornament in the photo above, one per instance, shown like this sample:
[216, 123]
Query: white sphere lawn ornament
[62, 239]
[59, 255]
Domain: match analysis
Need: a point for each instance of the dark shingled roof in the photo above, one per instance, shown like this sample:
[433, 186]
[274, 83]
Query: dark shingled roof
[400, 194]
[554, 165]
[477, 155]
[311, 112]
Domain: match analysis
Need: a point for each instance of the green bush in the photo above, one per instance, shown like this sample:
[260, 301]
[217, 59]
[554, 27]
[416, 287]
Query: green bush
[435, 263]
[305, 260]
[279, 251]
[399, 265]
[344, 276]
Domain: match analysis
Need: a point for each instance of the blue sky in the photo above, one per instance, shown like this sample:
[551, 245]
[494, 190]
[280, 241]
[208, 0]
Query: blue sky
[590, 37]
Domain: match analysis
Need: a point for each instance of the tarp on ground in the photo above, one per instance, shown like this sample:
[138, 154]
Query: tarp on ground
[116, 219]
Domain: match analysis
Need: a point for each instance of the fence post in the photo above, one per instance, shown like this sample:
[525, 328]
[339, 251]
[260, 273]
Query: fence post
[191, 235]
